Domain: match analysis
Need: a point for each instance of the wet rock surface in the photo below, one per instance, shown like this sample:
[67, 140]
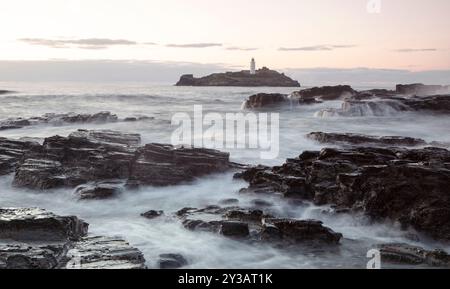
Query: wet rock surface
[97, 156]
[104, 253]
[82, 157]
[265, 100]
[152, 214]
[163, 165]
[32, 238]
[299, 231]
[11, 152]
[406, 185]
[172, 261]
[32, 224]
[256, 226]
[323, 93]
[421, 89]
[361, 139]
[58, 119]
[32, 256]
[399, 253]
[99, 191]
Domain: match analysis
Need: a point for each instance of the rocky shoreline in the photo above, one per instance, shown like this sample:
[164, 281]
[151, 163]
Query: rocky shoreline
[376, 102]
[395, 179]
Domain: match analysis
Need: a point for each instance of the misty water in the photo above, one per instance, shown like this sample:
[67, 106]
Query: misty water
[121, 216]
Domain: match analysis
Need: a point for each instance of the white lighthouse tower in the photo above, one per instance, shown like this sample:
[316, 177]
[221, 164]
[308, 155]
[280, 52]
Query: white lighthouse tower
[253, 67]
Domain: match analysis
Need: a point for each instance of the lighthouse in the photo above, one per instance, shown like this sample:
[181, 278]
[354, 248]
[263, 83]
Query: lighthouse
[253, 67]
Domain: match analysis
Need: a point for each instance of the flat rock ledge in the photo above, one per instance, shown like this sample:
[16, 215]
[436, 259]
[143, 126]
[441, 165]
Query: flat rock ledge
[32, 238]
[362, 139]
[96, 159]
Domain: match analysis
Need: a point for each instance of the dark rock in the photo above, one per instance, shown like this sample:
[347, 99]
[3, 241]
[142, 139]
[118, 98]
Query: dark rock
[323, 93]
[58, 119]
[200, 225]
[104, 253]
[99, 191]
[263, 77]
[263, 100]
[421, 89]
[152, 214]
[435, 103]
[229, 202]
[359, 139]
[32, 256]
[261, 203]
[299, 231]
[406, 185]
[164, 165]
[412, 255]
[244, 215]
[82, 157]
[358, 108]
[234, 229]
[32, 238]
[3, 91]
[32, 224]
[11, 152]
[172, 261]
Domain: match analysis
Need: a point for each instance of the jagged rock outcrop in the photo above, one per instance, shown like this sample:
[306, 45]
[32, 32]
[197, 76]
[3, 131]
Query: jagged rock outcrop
[311, 95]
[406, 185]
[105, 156]
[420, 89]
[11, 152]
[434, 103]
[82, 157]
[32, 238]
[398, 253]
[262, 100]
[359, 108]
[255, 225]
[361, 139]
[389, 106]
[263, 77]
[163, 165]
[299, 231]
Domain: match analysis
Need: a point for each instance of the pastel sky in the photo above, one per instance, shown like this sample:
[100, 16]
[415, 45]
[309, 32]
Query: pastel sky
[281, 34]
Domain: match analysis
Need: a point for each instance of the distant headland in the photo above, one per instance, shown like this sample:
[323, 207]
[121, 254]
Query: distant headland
[246, 78]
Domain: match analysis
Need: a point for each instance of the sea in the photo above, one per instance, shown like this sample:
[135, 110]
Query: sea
[121, 216]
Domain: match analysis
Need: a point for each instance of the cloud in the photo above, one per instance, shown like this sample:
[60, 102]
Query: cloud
[237, 48]
[86, 43]
[409, 50]
[316, 48]
[194, 45]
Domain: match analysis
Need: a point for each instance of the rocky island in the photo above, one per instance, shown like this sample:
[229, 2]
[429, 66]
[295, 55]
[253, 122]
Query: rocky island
[261, 77]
